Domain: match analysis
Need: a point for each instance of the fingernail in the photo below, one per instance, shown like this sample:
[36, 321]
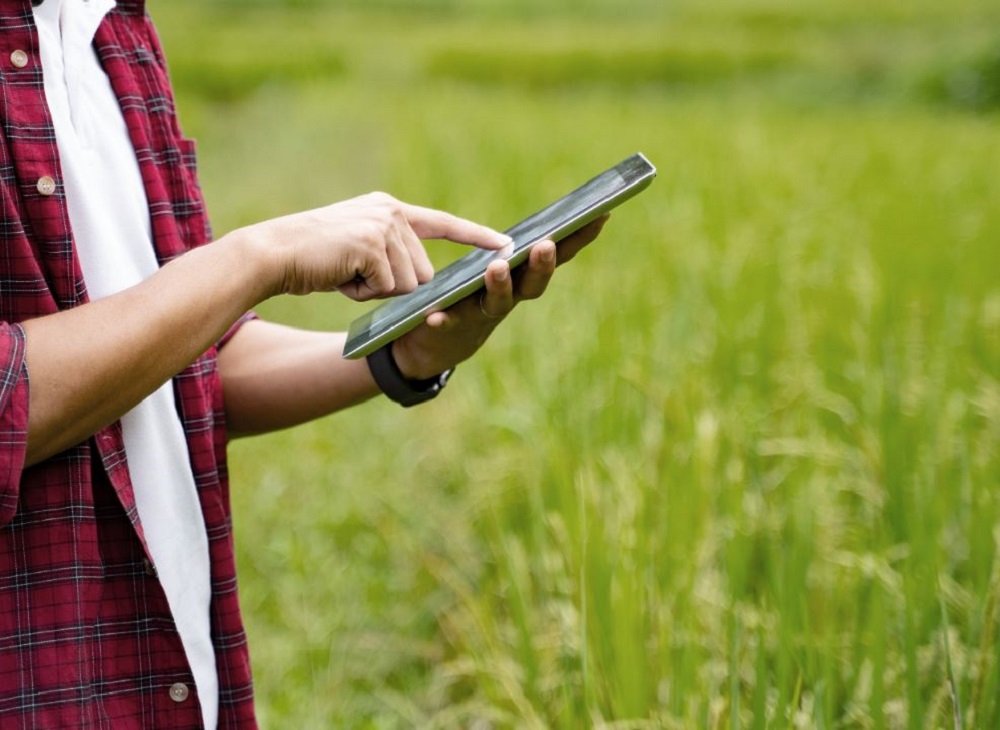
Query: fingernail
[548, 254]
[501, 273]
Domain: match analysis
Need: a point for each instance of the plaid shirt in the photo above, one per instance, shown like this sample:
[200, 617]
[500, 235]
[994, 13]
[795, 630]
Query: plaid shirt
[86, 635]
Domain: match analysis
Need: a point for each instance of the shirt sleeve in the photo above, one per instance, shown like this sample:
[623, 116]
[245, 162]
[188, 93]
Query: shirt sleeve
[14, 398]
[248, 317]
[13, 417]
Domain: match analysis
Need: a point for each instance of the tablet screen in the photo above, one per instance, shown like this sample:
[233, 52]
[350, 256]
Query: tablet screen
[397, 316]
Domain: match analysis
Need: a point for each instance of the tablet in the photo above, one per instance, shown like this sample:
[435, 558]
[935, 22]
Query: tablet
[395, 317]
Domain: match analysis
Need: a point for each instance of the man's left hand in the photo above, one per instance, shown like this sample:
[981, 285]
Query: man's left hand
[448, 337]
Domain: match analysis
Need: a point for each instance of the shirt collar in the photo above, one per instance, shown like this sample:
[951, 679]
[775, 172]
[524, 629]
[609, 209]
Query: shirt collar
[73, 23]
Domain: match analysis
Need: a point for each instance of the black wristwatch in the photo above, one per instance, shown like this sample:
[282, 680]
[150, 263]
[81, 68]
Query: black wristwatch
[399, 388]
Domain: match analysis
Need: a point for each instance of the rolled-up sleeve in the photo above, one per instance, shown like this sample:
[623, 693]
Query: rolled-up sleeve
[13, 416]
[248, 317]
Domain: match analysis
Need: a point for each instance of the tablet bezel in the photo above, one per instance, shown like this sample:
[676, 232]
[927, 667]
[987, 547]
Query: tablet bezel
[401, 314]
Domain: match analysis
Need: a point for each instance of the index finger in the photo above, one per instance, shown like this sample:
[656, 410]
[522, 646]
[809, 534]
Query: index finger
[430, 223]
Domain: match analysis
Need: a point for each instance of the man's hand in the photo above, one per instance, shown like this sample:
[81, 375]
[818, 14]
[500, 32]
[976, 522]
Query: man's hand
[447, 338]
[367, 247]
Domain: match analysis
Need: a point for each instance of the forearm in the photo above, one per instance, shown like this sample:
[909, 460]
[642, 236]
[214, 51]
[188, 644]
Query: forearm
[88, 366]
[274, 377]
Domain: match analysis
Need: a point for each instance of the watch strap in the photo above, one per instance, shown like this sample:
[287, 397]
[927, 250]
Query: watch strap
[398, 387]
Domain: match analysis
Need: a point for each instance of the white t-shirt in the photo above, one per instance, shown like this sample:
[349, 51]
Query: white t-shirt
[109, 216]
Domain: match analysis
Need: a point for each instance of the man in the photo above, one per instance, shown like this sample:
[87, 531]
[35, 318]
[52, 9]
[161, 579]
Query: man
[126, 355]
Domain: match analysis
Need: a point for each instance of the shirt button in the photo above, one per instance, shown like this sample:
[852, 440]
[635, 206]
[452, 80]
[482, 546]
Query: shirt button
[46, 185]
[179, 692]
[19, 59]
[147, 565]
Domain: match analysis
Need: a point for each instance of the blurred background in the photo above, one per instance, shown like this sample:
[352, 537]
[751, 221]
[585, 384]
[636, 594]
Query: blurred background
[739, 467]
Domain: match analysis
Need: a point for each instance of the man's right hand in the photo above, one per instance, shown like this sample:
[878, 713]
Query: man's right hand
[366, 248]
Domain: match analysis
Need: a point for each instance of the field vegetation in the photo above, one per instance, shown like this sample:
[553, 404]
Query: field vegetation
[739, 468]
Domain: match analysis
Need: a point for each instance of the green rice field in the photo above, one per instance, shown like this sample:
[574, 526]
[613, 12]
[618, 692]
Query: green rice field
[739, 468]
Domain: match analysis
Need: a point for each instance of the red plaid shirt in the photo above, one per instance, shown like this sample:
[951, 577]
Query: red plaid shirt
[86, 636]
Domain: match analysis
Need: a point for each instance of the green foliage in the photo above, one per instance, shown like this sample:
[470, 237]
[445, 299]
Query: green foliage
[235, 75]
[738, 468]
[621, 68]
[514, 8]
[972, 83]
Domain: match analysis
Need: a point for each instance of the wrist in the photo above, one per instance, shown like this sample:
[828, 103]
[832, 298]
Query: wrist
[261, 262]
[411, 366]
